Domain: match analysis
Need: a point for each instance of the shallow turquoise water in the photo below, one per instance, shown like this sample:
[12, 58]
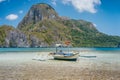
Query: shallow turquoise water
[53, 49]
[106, 55]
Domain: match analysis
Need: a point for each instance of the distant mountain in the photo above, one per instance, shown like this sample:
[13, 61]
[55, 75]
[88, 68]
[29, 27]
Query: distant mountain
[43, 27]
[86, 35]
[38, 13]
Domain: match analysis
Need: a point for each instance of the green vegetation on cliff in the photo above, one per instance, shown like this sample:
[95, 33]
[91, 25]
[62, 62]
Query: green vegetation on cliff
[43, 27]
[51, 28]
[84, 34]
[3, 32]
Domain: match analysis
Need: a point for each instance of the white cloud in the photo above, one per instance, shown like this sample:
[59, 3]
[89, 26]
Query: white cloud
[12, 17]
[1, 1]
[21, 11]
[53, 2]
[83, 5]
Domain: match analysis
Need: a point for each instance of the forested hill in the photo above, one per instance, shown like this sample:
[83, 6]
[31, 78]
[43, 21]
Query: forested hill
[43, 27]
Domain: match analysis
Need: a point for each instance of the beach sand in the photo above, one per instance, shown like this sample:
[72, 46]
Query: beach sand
[23, 67]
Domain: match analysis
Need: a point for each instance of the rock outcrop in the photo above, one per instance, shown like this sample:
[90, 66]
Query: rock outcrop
[37, 13]
[43, 27]
[16, 38]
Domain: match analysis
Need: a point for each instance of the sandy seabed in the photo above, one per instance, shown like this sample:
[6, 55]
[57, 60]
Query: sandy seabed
[23, 67]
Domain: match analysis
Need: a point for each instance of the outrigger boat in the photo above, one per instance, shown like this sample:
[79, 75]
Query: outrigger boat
[69, 56]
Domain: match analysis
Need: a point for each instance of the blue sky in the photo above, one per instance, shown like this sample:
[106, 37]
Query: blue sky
[104, 14]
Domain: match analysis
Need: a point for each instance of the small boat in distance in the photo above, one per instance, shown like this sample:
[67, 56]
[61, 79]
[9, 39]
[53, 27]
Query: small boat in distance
[69, 56]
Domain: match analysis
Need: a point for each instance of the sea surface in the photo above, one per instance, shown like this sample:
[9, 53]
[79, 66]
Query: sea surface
[105, 55]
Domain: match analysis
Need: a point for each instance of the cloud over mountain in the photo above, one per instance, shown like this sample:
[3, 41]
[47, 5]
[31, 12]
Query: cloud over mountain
[81, 5]
[84, 5]
[12, 17]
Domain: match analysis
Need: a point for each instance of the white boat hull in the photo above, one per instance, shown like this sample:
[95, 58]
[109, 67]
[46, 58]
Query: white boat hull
[64, 57]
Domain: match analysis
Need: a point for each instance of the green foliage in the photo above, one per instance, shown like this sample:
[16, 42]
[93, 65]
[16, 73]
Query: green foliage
[3, 32]
[80, 33]
[88, 36]
[49, 31]
[44, 25]
[48, 27]
[52, 31]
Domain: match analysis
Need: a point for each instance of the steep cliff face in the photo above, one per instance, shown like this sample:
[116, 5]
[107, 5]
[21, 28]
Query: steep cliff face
[38, 13]
[15, 38]
[11, 37]
[3, 33]
[43, 27]
[47, 28]
[43, 22]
